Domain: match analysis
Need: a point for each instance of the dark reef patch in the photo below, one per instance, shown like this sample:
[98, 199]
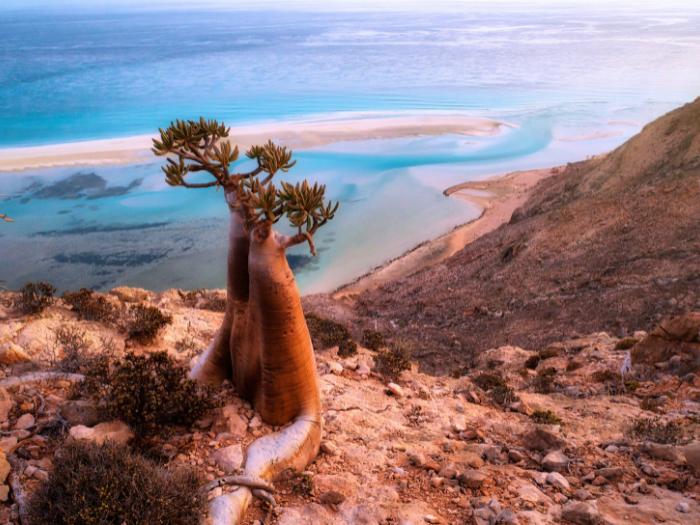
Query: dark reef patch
[77, 186]
[125, 258]
[110, 228]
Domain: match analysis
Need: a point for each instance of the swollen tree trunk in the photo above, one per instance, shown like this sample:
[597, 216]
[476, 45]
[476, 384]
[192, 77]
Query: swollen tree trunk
[288, 388]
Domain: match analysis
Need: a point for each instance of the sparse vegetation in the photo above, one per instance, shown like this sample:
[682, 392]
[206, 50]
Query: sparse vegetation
[203, 299]
[605, 376]
[326, 333]
[544, 382]
[151, 391]
[573, 364]
[90, 306]
[625, 343]
[303, 484]
[545, 417]
[347, 348]
[497, 387]
[394, 359]
[533, 361]
[654, 429]
[108, 484]
[36, 297]
[145, 322]
[373, 340]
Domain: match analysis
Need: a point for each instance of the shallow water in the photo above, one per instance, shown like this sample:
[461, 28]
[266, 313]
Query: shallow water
[574, 83]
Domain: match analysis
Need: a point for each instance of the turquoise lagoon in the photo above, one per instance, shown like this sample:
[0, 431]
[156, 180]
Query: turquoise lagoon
[570, 83]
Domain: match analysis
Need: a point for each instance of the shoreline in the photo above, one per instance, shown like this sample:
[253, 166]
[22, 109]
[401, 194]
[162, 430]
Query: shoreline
[298, 134]
[498, 196]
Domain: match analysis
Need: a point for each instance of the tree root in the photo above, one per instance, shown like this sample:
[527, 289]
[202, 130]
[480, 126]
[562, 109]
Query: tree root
[241, 481]
[37, 377]
[17, 490]
[292, 447]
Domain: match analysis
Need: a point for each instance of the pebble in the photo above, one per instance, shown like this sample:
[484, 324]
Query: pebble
[429, 518]
[329, 448]
[557, 480]
[417, 459]
[395, 390]
[683, 507]
[230, 458]
[336, 368]
[472, 479]
[24, 422]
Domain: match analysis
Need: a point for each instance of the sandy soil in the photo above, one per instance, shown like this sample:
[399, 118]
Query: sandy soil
[298, 134]
[498, 197]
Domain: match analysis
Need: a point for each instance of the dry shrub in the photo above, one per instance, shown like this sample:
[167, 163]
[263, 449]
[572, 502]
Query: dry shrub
[347, 348]
[544, 382]
[545, 417]
[653, 429]
[396, 358]
[145, 322]
[35, 297]
[153, 390]
[605, 376]
[497, 387]
[573, 364]
[78, 357]
[89, 306]
[203, 299]
[326, 333]
[373, 340]
[108, 484]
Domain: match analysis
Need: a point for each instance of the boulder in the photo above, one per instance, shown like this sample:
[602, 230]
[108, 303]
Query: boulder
[555, 461]
[581, 513]
[676, 336]
[542, 440]
[557, 480]
[472, 479]
[11, 354]
[115, 431]
[692, 456]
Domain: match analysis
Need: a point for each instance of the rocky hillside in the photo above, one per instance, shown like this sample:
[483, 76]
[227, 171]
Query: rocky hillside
[556, 436]
[611, 243]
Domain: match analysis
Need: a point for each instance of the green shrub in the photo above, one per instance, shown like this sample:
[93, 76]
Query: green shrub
[326, 333]
[653, 429]
[145, 322]
[347, 348]
[150, 391]
[89, 306]
[391, 361]
[35, 297]
[373, 340]
[109, 485]
[545, 417]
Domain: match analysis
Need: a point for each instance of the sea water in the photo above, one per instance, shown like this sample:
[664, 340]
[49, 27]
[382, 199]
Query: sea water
[570, 82]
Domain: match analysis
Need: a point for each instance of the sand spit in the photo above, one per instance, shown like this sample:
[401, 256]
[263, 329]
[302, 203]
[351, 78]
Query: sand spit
[300, 134]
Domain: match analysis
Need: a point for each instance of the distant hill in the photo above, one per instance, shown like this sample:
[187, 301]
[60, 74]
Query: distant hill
[611, 243]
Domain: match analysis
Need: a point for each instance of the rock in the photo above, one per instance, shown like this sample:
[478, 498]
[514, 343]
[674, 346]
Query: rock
[429, 518]
[332, 498]
[255, 422]
[41, 475]
[610, 473]
[437, 481]
[335, 368]
[8, 444]
[329, 448]
[232, 422]
[557, 480]
[363, 370]
[229, 459]
[683, 507]
[507, 517]
[555, 461]
[472, 479]
[542, 440]
[664, 452]
[472, 459]
[11, 354]
[493, 453]
[4, 468]
[459, 424]
[24, 422]
[528, 492]
[674, 336]
[416, 458]
[80, 412]
[6, 404]
[692, 456]
[581, 513]
[395, 390]
[516, 456]
[4, 492]
[448, 471]
[582, 494]
[116, 431]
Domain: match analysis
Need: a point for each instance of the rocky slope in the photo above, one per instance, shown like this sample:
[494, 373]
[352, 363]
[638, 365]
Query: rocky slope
[611, 243]
[558, 436]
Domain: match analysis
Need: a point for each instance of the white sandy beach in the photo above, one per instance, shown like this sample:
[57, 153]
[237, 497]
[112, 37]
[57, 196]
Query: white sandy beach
[298, 134]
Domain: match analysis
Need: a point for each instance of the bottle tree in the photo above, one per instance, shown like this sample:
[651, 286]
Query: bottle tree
[263, 345]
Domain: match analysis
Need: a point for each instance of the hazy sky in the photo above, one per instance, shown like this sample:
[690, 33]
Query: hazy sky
[340, 4]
